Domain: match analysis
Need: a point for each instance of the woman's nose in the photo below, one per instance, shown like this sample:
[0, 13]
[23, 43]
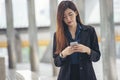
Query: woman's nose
[68, 18]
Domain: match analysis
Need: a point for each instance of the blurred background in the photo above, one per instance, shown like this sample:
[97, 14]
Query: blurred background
[26, 33]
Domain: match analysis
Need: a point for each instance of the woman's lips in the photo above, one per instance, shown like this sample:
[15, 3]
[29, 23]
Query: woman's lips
[69, 22]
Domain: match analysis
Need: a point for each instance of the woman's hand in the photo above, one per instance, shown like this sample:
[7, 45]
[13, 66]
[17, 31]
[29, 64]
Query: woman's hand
[76, 48]
[68, 51]
[81, 48]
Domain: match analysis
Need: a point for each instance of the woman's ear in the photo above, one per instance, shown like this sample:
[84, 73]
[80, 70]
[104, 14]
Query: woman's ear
[76, 13]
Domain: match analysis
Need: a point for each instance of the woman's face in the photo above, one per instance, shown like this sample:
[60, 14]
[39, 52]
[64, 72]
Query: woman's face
[70, 17]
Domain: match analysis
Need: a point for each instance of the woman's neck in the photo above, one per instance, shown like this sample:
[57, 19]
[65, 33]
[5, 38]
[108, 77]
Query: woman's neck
[73, 28]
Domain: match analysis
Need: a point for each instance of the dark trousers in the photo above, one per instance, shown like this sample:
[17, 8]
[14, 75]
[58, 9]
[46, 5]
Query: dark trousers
[75, 72]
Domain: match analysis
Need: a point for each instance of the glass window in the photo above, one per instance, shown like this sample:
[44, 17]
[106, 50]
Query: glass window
[42, 12]
[92, 13]
[20, 13]
[2, 14]
[117, 10]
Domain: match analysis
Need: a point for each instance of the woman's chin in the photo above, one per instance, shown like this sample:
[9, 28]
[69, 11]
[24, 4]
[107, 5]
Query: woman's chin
[70, 24]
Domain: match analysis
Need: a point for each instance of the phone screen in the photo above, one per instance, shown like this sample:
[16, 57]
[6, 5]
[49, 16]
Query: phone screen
[73, 43]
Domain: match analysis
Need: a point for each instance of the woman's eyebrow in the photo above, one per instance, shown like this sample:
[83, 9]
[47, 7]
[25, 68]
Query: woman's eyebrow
[68, 13]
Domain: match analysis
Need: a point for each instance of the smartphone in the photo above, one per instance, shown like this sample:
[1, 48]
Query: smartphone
[73, 43]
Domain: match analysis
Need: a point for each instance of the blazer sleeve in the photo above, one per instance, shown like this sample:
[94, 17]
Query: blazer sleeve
[95, 52]
[58, 61]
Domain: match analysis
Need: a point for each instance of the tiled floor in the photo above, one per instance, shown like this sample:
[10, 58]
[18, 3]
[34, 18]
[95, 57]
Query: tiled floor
[26, 75]
[23, 72]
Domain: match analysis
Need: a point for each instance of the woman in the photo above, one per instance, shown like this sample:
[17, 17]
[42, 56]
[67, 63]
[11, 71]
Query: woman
[75, 45]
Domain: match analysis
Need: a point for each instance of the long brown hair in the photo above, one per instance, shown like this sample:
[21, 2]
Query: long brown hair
[61, 40]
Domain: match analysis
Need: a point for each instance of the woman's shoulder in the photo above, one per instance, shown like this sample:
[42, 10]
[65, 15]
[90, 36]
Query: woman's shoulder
[88, 27]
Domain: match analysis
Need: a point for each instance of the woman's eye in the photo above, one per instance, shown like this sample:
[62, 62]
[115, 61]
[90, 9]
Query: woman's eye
[70, 14]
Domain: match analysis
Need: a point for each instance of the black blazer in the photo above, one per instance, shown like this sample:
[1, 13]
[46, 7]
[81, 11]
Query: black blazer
[88, 38]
